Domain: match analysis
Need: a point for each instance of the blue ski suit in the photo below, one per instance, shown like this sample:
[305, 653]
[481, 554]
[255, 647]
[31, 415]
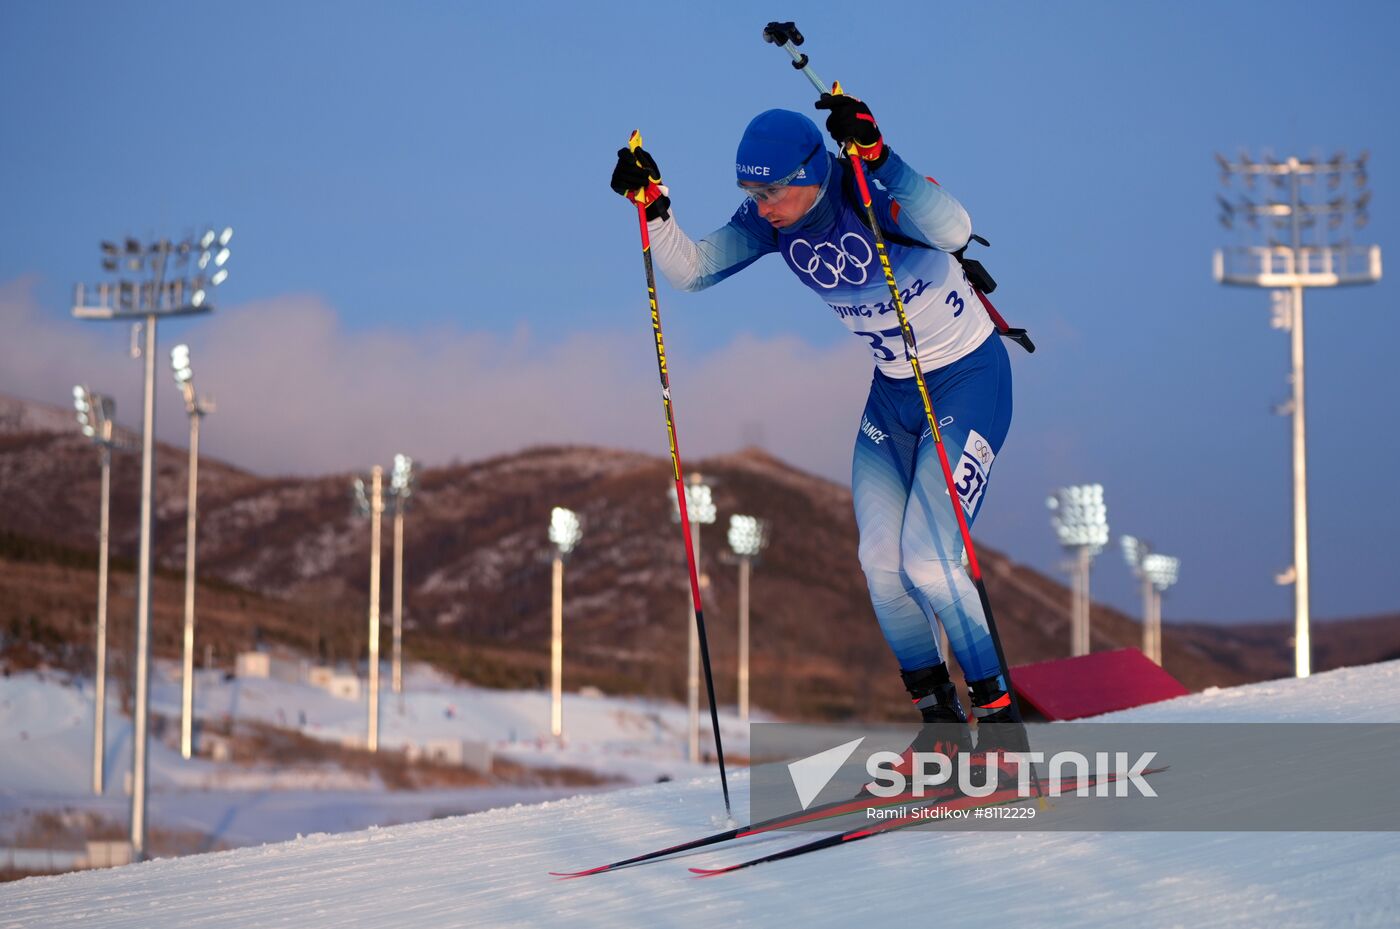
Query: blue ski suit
[910, 547]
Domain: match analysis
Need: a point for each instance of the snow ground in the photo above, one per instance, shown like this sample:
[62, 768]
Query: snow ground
[635, 739]
[46, 747]
[489, 869]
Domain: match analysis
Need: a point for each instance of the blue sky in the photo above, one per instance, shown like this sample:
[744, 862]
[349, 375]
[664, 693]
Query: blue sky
[427, 257]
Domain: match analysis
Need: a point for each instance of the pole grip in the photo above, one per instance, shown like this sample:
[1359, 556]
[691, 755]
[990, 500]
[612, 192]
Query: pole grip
[634, 142]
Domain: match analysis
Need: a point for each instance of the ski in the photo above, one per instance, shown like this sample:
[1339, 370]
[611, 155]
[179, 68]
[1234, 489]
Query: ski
[825, 811]
[920, 814]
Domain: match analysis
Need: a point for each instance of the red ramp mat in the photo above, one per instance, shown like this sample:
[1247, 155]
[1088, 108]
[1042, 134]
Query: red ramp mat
[1073, 688]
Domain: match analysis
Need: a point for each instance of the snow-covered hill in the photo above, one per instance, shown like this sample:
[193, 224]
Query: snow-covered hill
[490, 869]
[46, 749]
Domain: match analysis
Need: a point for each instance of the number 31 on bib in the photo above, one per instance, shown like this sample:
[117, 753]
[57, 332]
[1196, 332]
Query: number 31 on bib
[970, 475]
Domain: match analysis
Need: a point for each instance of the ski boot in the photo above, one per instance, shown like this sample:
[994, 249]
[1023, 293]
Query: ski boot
[934, 696]
[999, 728]
[944, 727]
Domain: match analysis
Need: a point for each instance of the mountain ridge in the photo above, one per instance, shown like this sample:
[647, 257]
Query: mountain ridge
[477, 572]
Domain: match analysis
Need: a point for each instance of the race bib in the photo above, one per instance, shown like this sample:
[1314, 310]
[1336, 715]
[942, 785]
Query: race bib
[970, 475]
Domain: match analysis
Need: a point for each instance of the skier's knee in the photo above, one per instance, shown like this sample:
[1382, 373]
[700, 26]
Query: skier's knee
[886, 583]
[939, 581]
[879, 559]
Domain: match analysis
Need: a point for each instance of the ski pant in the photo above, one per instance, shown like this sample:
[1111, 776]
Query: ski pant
[910, 546]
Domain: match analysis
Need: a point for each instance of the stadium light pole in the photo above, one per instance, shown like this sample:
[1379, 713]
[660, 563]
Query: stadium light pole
[747, 537]
[565, 531]
[1160, 572]
[95, 413]
[196, 407]
[1299, 239]
[150, 294]
[1135, 553]
[370, 502]
[1080, 520]
[400, 489]
[700, 507]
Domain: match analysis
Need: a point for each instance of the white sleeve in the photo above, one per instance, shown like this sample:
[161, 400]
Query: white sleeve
[691, 265]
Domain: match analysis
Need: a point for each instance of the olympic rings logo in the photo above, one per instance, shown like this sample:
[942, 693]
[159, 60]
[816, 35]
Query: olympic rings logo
[828, 264]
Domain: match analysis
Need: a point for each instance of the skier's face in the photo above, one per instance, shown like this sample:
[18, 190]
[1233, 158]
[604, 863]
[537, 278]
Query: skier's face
[787, 205]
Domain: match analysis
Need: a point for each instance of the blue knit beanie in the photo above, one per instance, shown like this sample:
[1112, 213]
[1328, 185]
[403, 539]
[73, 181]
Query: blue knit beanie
[775, 143]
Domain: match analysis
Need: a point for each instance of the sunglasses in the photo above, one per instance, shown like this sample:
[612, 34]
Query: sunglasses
[774, 190]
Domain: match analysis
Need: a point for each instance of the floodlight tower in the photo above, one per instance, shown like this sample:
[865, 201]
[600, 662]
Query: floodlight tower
[196, 407]
[747, 537]
[700, 507]
[161, 284]
[1134, 551]
[95, 413]
[1160, 572]
[370, 502]
[1080, 520]
[565, 531]
[1157, 573]
[1300, 240]
[400, 489]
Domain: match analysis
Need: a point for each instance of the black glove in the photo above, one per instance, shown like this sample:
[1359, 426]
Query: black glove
[636, 173]
[851, 121]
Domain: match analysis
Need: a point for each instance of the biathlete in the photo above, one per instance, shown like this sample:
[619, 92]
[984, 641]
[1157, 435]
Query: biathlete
[802, 204]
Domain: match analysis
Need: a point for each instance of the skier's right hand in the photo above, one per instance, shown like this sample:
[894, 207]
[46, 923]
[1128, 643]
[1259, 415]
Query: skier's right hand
[637, 178]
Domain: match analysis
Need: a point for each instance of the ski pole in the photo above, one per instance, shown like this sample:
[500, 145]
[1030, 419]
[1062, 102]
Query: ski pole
[788, 38]
[635, 142]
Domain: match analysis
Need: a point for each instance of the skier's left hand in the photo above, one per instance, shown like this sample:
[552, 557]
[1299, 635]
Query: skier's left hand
[852, 121]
